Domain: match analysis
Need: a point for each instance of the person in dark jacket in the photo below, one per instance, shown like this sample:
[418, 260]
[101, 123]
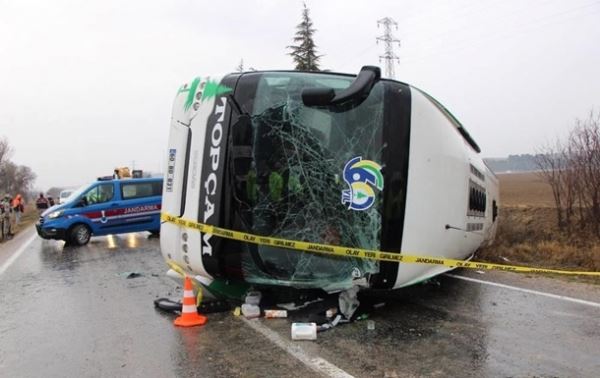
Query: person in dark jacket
[41, 203]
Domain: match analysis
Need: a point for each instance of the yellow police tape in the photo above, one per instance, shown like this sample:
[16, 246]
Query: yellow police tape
[339, 251]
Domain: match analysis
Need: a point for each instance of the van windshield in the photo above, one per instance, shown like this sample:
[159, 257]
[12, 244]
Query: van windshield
[78, 192]
[294, 186]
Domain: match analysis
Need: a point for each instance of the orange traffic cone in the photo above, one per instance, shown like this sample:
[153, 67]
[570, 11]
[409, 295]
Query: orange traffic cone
[189, 314]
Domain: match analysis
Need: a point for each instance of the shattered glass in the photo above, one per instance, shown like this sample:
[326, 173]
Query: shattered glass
[294, 184]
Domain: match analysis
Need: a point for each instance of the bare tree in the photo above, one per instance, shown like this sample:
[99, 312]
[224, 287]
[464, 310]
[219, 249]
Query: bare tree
[572, 169]
[13, 178]
[585, 150]
[570, 185]
[5, 150]
[24, 179]
[550, 164]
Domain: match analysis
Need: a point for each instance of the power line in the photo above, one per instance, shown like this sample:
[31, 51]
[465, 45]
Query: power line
[389, 40]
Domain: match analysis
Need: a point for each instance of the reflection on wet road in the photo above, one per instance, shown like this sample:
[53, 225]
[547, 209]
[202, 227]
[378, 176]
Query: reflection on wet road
[70, 311]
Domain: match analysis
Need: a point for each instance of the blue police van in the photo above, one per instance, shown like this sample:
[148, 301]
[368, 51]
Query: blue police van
[104, 207]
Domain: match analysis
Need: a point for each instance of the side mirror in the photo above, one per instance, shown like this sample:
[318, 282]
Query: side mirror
[355, 94]
[317, 96]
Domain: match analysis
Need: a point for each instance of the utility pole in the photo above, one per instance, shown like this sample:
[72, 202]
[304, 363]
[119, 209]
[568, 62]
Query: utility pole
[389, 40]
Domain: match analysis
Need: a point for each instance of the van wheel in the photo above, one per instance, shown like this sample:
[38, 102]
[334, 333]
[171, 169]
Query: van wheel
[80, 235]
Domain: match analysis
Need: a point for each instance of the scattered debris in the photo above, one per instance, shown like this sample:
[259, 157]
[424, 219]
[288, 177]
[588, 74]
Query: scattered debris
[309, 311]
[167, 305]
[304, 331]
[504, 258]
[331, 312]
[371, 325]
[348, 302]
[294, 306]
[250, 311]
[129, 275]
[331, 324]
[253, 297]
[479, 272]
[269, 314]
[207, 307]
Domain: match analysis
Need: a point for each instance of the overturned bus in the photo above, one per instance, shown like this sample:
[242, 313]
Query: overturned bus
[345, 160]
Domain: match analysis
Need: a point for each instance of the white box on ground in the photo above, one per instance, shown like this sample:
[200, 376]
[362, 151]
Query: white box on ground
[304, 331]
[275, 314]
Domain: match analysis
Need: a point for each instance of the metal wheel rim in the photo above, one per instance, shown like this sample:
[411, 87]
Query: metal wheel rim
[82, 234]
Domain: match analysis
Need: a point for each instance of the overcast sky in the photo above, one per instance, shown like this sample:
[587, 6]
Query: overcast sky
[86, 86]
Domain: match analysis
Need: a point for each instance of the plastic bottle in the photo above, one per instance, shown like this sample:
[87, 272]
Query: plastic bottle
[253, 297]
[250, 311]
[371, 325]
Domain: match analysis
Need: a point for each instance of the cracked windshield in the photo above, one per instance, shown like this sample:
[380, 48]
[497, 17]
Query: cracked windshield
[292, 187]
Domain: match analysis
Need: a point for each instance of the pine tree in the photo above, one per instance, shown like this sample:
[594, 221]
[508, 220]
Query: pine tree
[304, 53]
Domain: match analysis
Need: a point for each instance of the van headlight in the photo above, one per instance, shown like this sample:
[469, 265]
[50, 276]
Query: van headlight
[55, 214]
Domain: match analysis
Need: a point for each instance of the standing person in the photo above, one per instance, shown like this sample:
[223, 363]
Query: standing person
[51, 201]
[18, 207]
[7, 221]
[41, 203]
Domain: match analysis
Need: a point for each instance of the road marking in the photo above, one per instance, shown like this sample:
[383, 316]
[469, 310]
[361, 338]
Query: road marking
[16, 255]
[316, 364]
[529, 291]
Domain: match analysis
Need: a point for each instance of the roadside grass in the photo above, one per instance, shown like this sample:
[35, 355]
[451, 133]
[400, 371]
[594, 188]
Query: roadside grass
[29, 217]
[528, 233]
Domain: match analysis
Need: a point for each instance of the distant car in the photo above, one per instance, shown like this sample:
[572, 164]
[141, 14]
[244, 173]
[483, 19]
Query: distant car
[62, 197]
[104, 207]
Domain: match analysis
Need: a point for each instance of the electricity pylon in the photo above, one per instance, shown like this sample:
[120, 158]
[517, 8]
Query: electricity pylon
[389, 40]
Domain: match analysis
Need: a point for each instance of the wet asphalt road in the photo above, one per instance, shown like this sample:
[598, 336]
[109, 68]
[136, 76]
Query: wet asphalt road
[71, 312]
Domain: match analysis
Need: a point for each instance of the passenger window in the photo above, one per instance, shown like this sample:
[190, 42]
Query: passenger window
[99, 194]
[141, 189]
[477, 200]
